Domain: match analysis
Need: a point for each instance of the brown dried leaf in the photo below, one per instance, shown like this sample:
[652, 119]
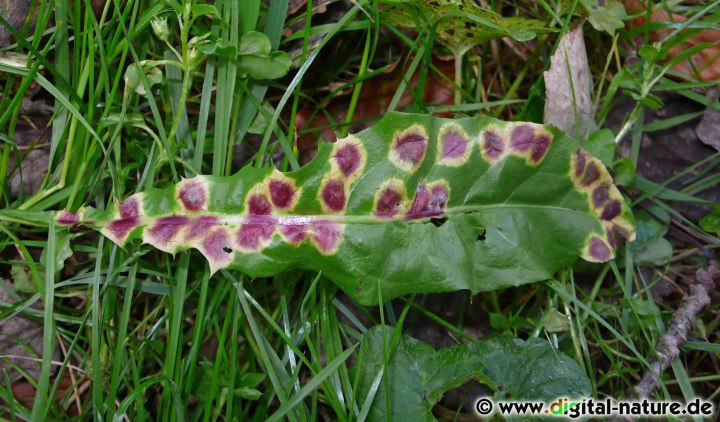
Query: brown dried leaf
[568, 103]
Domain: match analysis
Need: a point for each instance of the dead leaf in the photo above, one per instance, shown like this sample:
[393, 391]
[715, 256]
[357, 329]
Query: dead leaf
[14, 334]
[568, 103]
[708, 130]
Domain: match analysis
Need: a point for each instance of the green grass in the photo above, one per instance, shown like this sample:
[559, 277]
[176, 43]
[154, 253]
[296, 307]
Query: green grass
[144, 335]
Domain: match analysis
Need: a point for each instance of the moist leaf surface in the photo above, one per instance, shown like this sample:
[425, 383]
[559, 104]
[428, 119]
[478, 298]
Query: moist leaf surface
[412, 204]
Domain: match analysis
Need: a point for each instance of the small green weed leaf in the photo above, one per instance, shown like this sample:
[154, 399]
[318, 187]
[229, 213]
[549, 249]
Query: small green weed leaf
[555, 322]
[62, 250]
[175, 5]
[255, 42]
[654, 252]
[259, 125]
[203, 9]
[500, 322]
[413, 204]
[274, 65]
[605, 15]
[601, 144]
[133, 78]
[653, 53]
[256, 59]
[650, 247]
[22, 278]
[219, 47]
[711, 222]
[460, 24]
[418, 375]
[649, 100]
[624, 171]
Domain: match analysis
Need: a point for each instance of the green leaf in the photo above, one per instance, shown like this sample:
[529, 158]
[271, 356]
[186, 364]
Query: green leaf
[555, 322]
[460, 25]
[601, 144]
[650, 247]
[624, 171]
[62, 250]
[203, 9]
[649, 100]
[256, 59]
[260, 124]
[133, 79]
[711, 222]
[413, 204]
[418, 375]
[22, 278]
[605, 15]
[255, 42]
[272, 66]
[219, 47]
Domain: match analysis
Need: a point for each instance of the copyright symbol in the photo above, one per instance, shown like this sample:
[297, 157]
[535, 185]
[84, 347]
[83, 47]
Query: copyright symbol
[484, 406]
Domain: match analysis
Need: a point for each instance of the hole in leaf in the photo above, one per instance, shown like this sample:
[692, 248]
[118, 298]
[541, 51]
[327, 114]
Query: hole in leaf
[481, 237]
[437, 222]
[227, 250]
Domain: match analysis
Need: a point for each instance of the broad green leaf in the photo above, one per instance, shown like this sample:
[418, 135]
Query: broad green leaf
[460, 24]
[418, 375]
[413, 204]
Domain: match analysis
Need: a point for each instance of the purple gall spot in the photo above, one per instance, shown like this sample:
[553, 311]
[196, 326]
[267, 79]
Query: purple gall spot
[600, 195]
[454, 145]
[428, 202]
[193, 195]
[540, 147]
[599, 250]
[410, 148]
[592, 173]
[281, 193]
[333, 195]
[294, 233]
[258, 204]
[579, 162]
[216, 246]
[612, 236]
[438, 199]
[68, 218]
[522, 138]
[326, 235]
[494, 145]
[122, 227]
[388, 203]
[129, 208]
[165, 228]
[200, 227]
[420, 202]
[348, 158]
[611, 210]
[255, 232]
